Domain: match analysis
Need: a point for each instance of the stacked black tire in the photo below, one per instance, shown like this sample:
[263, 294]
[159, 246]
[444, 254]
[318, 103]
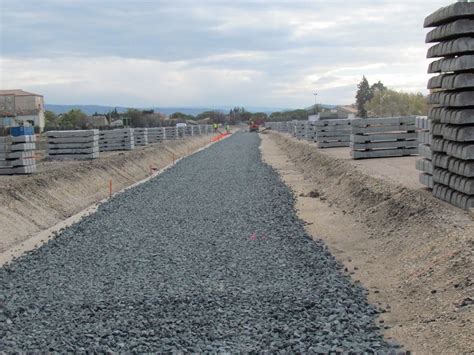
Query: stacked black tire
[452, 97]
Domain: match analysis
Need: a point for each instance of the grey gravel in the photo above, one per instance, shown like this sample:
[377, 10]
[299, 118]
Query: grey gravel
[207, 257]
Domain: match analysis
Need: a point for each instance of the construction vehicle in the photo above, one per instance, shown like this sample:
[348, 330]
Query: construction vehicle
[254, 125]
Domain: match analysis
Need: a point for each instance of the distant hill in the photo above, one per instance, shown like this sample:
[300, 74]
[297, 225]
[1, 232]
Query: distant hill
[91, 109]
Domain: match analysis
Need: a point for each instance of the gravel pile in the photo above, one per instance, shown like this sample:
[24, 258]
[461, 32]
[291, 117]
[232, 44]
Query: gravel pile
[209, 256]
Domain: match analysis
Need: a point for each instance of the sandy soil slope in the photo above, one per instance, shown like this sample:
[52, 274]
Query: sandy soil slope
[413, 252]
[30, 204]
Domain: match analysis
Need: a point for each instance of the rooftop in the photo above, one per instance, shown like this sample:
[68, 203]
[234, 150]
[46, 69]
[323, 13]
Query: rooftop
[17, 92]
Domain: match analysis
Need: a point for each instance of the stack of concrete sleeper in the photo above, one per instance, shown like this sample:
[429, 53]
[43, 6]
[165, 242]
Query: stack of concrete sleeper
[452, 98]
[171, 133]
[300, 129]
[332, 133]
[424, 165]
[140, 136]
[310, 134]
[17, 155]
[73, 145]
[117, 139]
[383, 137]
[156, 134]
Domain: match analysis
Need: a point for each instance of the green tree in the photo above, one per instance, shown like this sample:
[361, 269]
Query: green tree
[51, 119]
[377, 87]
[364, 95]
[299, 115]
[262, 116]
[181, 116]
[214, 116]
[73, 119]
[391, 103]
[239, 114]
[134, 118]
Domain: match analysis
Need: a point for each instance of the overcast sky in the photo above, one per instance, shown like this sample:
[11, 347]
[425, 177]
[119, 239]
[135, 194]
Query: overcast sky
[200, 53]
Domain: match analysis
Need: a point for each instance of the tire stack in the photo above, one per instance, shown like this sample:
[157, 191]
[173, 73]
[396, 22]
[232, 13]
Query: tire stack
[117, 139]
[73, 145]
[452, 97]
[140, 136]
[17, 155]
[424, 165]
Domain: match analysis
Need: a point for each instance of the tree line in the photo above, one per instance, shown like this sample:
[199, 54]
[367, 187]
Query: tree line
[374, 100]
[76, 119]
[377, 100]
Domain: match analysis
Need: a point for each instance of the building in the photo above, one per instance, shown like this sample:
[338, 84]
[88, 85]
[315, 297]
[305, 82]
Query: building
[18, 107]
[336, 112]
[97, 121]
[346, 111]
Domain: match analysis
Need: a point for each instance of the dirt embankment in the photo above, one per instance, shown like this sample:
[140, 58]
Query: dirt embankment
[30, 204]
[413, 252]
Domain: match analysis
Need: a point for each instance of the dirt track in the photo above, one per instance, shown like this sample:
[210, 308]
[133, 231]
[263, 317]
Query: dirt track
[30, 204]
[413, 252]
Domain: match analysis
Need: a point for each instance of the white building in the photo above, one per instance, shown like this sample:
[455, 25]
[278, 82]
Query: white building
[18, 106]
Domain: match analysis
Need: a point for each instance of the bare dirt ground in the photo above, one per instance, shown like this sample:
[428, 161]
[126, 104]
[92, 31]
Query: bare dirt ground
[412, 252]
[31, 204]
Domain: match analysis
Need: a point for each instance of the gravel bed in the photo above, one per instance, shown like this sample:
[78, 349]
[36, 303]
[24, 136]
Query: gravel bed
[209, 256]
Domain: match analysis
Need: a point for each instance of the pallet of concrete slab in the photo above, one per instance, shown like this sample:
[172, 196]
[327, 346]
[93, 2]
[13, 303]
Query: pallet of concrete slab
[424, 165]
[277, 126]
[188, 131]
[17, 155]
[292, 128]
[383, 137]
[140, 136]
[205, 129]
[300, 129]
[171, 133]
[73, 145]
[273, 126]
[453, 167]
[280, 126]
[452, 127]
[332, 133]
[195, 130]
[156, 134]
[310, 133]
[181, 132]
[117, 139]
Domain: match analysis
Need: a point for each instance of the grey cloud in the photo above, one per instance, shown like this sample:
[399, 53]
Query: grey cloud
[193, 32]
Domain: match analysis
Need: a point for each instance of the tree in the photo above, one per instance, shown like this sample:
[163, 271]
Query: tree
[239, 114]
[73, 119]
[262, 116]
[390, 103]
[215, 116]
[378, 87]
[51, 119]
[134, 117]
[181, 116]
[283, 116]
[364, 95]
